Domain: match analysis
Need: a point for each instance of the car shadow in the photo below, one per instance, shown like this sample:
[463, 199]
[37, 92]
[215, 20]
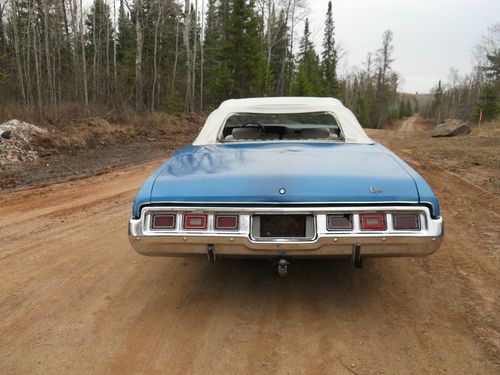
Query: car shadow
[256, 282]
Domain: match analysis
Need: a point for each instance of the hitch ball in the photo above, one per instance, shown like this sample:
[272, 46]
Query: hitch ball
[283, 267]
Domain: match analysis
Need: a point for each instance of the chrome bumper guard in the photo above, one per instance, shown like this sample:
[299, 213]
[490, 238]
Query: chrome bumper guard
[391, 242]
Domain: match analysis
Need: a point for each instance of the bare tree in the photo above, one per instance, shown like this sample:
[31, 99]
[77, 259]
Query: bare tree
[195, 48]
[188, 55]
[46, 33]
[16, 47]
[176, 54]
[115, 74]
[155, 52]
[84, 61]
[37, 54]
[138, 57]
[202, 61]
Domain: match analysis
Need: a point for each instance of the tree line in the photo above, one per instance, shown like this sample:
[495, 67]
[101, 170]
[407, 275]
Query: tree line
[469, 95]
[152, 55]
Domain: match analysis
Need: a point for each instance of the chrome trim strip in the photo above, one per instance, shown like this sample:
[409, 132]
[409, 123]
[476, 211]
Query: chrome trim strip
[239, 205]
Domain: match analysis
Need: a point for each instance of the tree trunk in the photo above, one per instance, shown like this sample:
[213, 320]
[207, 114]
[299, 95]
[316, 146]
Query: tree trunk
[188, 56]
[76, 68]
[94, 57]
[84, 62]
[2, 32]
[155, 65]
[37, 69]
[27, 60]
[108, 60]
[269, 41]
[193, 65]
[202, 61]
[138, 58]
[71, 52]
[115, 74]
[16, 47]
[176, 55]
[46, 31]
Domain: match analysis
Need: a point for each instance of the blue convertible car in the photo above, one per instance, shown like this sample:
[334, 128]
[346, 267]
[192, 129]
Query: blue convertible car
[285, 178]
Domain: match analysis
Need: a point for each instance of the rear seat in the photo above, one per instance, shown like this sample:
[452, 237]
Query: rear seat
[250, 133]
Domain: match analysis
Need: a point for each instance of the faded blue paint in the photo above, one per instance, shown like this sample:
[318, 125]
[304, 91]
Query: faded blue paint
[310, 172]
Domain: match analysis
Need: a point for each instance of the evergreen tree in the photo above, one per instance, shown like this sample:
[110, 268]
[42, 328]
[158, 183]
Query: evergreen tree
[409, 111]
[402, 109]
[99, 41]
[215, 72]
[308, 80]
[243, 57]
[362, 112]
[488, 103]
[437, 102]
[126, 39]
[329, 56]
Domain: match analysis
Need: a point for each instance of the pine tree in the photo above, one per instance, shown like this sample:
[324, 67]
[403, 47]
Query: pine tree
[402, 109]
[243, 55]
[488, 103]
[214, 68]
[362, 112]
[98, 40]
[308, 80]
[125, 48]
[329, 56]
[437, 102]
[409, 110]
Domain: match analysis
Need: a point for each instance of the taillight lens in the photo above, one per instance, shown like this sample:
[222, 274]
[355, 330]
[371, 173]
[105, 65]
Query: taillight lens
[195, 221]
[372, 221]
[226, 222]
[163, 221]
[339, 222]
[406, 221]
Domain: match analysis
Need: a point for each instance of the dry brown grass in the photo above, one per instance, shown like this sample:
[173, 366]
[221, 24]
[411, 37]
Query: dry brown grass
[95, 132]
[481, 147]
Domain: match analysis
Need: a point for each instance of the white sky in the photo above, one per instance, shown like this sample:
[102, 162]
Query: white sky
[430, 36]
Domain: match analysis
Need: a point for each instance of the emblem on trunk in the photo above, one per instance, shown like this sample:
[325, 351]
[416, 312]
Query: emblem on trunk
[376, 190]
[282, 191]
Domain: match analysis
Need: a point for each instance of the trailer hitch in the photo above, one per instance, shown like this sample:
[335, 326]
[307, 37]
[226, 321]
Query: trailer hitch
[211, 253]
[356, 256]
[283, 267]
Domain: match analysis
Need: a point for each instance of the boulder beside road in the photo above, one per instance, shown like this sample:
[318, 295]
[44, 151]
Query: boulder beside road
[451, 128]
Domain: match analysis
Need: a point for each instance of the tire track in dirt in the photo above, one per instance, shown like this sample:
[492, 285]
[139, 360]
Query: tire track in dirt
[75, 298]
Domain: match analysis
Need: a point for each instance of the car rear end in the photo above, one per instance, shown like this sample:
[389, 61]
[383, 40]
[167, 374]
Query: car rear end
[287, 231]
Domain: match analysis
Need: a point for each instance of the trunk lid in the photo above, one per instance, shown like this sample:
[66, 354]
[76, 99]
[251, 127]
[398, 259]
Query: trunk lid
[308, 173]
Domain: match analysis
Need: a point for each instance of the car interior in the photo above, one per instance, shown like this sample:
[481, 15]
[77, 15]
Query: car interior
[319, 126]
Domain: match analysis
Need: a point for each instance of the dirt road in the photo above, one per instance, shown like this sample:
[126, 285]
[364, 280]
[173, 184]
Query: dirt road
[75, 298]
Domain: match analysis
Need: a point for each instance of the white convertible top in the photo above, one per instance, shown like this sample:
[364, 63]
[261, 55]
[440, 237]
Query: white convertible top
[353, 132]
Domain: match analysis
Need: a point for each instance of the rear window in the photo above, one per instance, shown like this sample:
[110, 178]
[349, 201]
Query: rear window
[248, 127]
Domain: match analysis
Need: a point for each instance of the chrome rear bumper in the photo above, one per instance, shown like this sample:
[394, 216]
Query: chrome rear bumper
[326, 243]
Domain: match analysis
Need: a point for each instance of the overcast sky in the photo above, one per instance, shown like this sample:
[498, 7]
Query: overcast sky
[430, 36]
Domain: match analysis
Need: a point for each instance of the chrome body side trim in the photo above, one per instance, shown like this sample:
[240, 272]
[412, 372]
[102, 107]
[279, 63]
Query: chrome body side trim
[239, 243]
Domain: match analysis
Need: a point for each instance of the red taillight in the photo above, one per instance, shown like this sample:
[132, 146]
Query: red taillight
[226, 222]
[195, 221]
[339, 222]
[406, 221]
[163, 221]
[372, 221]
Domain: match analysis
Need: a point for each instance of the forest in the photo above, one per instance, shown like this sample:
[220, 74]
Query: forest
[111, 56]
[473, 96]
